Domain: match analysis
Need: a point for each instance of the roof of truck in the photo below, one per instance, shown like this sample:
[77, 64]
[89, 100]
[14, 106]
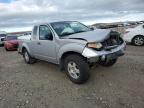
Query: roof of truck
[54, 22]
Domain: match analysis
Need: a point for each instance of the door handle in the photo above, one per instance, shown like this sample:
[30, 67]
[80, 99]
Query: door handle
[38, 43]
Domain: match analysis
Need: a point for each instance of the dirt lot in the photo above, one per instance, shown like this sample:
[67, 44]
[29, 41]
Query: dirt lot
[42, 85]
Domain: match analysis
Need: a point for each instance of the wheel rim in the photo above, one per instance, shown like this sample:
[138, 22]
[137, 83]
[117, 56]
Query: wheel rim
[139, 41]
[73, 70]
[26, 56]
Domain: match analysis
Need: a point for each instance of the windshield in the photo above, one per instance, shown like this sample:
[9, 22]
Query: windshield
[2, 35]
[68, 28]
[11, 38]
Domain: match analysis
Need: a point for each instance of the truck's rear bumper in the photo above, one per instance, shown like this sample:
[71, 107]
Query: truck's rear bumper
[94, 55]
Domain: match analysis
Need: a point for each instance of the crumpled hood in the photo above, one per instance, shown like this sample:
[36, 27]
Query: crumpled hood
[97, 35]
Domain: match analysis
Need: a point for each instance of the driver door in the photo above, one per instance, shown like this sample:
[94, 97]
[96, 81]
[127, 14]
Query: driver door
[46, 47]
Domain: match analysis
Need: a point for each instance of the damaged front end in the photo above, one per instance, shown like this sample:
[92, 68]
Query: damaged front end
[112, 48]
[113, 41]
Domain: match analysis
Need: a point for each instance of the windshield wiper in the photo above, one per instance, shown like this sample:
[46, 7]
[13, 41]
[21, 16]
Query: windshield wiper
[80, 31]
[66, 34]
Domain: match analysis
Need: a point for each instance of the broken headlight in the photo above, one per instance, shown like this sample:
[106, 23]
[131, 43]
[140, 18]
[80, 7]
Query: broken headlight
[95, 45]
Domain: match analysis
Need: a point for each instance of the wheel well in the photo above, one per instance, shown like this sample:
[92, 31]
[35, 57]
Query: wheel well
[23, 48]
[67, 54]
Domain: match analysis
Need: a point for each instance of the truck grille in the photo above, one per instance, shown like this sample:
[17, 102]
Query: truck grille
[113, 41]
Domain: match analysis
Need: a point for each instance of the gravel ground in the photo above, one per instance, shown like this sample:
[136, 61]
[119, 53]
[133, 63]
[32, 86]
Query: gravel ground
[43, 85]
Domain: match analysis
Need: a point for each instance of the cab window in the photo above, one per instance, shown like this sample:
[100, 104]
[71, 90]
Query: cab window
[45, 33]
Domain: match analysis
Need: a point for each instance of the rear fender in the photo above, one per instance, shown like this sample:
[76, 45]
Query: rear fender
[24, 45]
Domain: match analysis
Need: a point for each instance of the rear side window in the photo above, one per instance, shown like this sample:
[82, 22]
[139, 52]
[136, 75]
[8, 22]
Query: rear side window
[35, 32]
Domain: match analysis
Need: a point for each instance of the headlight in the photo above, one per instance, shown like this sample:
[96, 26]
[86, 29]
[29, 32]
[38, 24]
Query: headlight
[94, 45]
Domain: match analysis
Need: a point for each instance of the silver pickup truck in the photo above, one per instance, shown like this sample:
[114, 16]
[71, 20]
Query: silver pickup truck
[73, 46]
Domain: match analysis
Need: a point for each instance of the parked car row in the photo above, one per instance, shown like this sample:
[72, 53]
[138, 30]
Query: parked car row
[11, 42]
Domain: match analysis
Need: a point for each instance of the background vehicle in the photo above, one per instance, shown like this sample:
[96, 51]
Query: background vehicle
[2, 38]
[11, 43]
[135, 35]
[24, 37]
[73, 46]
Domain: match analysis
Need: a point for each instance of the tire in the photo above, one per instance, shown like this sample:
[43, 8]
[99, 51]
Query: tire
[28, 59]
[6, 49]
[80, 67]
[108, 63]
[138, 40]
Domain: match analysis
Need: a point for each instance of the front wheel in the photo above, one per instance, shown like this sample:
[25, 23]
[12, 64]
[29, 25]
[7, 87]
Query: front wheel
[28, 59]
[108, 63]
[77, 69]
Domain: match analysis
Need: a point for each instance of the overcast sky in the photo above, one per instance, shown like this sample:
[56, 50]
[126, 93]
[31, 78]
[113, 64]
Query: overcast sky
[24, 13]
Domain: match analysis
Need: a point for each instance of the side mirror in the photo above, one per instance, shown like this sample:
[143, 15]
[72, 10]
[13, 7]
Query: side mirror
[49, 36]
[143, 26]
[4, 39]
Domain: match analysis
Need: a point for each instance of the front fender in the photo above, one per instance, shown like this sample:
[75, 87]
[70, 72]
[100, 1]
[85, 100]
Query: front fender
[72, 47]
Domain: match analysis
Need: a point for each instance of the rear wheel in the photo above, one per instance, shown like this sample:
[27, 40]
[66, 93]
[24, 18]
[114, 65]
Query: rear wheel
[138, 40]
[77, 69]
[28, 59]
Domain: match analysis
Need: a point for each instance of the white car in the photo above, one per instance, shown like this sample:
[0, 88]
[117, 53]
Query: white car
[135, 35]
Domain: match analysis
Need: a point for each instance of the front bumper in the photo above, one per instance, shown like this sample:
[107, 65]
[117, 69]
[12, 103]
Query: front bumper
[11, 47]
[94, 55]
